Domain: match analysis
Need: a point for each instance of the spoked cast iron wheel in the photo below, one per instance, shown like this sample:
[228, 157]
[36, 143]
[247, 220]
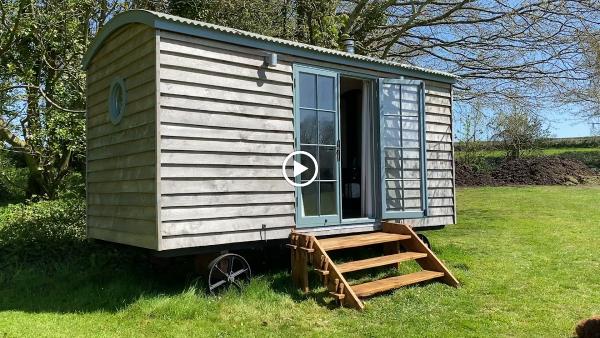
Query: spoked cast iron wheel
[228, 270]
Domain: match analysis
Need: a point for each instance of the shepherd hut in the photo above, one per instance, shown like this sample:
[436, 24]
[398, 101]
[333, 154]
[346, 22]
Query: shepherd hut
[192, 129]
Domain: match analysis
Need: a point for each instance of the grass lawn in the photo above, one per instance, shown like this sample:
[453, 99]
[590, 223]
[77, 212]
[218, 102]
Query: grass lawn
[528, 259]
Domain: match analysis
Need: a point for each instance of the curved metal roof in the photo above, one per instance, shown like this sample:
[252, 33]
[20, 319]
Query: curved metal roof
[235, 36]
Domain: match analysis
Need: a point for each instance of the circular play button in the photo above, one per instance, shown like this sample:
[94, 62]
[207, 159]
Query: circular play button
[299, 168]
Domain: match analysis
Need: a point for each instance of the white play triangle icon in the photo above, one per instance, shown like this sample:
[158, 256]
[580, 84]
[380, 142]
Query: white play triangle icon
[299, 168]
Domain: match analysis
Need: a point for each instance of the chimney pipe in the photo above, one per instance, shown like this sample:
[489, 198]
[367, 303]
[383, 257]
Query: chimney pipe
[348, 43]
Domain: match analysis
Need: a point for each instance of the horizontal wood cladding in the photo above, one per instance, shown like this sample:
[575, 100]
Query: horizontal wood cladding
[180, 60]
[212, 185]
[125, 212]
[124, 62]
[241, 146]
[145, 75]
[225, 120]
[197, 171]
[216, 51]
[237, 236]
[226, 225]
[124, 161]
[136, 117]
[442, 208]
[440, 162]
[120, 149]
[123, 186]
[121, 168]
[116, 199]
[120, 38]
[134, 96]
[114, 223]
[193, 77]
[239, 198]
[118, 236]
[226, 126]
[225, 107]
[431, 221]
[126, 174]
[223, 93]
[225, 211]
[441, 202]
[135, 133]
[220, 158]
[202, 132]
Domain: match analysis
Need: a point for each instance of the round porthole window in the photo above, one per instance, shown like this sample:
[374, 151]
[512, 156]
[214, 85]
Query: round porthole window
[117, 100]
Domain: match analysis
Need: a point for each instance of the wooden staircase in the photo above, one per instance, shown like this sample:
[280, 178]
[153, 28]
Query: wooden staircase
[309, 251]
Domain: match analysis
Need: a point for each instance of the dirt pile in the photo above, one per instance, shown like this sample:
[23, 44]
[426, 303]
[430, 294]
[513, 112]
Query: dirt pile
[467, 175]
[544, 170]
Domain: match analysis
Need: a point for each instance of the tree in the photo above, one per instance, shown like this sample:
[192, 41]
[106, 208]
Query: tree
[588, 97]
[42, 86]
[317, 22]
[267, 17]
[518, 130]
[471, 131]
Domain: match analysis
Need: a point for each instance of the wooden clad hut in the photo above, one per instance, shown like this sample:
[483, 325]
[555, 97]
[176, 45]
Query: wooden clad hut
[189, 123]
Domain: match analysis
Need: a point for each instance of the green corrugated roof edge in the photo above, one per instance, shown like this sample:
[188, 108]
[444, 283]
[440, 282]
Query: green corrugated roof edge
[235, 36]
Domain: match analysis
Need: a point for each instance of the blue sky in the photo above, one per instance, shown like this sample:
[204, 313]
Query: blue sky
[565, 122]
[562, 122]
[568, 126]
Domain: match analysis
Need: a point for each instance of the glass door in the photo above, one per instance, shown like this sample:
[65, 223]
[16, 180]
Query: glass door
[402, 145]
[316, 122]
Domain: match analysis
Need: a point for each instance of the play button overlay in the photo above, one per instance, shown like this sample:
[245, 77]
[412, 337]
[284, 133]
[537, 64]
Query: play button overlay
[299, 168]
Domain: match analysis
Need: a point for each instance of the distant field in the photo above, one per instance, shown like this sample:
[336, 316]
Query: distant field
[589, 156]
[550, 151]
[527, 259]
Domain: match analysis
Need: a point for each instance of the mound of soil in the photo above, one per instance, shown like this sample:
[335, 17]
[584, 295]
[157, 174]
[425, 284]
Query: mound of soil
[467, 175]
[544, 170]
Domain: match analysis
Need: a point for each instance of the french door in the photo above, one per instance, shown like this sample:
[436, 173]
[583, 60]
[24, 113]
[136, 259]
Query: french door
[317, 132]
[403, 149]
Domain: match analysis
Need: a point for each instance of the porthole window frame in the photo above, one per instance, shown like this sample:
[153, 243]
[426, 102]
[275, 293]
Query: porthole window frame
[114, 115]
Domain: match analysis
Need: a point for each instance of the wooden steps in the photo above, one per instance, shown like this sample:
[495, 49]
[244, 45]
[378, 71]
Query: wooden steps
[309, 250]
[354, 241]
[382, 285]
[379, 261]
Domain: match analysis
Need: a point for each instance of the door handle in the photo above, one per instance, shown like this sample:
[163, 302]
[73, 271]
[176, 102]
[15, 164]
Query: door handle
[337, 150]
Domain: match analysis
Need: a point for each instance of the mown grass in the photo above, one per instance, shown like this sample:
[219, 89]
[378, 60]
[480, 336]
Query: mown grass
[528, 260]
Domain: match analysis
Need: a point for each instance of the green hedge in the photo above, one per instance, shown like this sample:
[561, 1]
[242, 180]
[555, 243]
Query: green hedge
[571, 142]
[42, 231]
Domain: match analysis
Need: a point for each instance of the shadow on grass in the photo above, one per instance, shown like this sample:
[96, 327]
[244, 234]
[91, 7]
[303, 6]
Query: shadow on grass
[107, 277]
[282, 284]
[99, 278]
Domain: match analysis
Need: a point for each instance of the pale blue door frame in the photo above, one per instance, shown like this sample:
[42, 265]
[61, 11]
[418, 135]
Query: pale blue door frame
[316, 127]
[400, 115]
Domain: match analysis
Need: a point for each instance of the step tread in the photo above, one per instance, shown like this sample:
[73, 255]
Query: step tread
[371, 288]
[353, 241]
[379, 261]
